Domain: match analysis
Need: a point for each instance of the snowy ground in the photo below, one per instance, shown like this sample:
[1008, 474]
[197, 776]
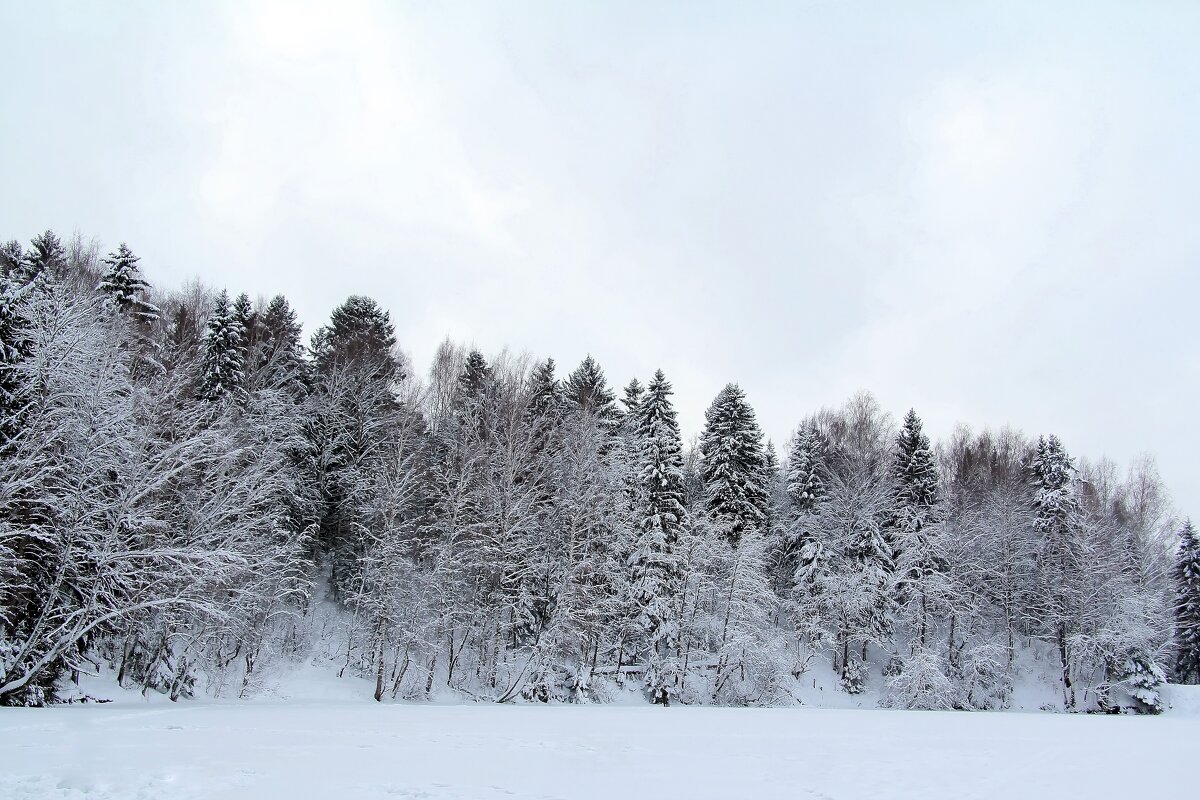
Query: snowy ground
[346, 748]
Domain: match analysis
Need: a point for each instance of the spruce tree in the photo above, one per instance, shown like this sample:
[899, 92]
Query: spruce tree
[805, 486]
[1056, 521]
[545, 393]
[14, 348]
[587, 390]
[123, 282]
[46, 257]
[1187, 606]
[359, 331]
[915, 508]
[246, 318]
[733, 464]
[280, 355]
[634, 391]
[655, 565]
[222, 365]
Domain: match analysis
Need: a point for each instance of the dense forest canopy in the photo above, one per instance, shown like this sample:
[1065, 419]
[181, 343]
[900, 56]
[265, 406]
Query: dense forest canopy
[184, 480]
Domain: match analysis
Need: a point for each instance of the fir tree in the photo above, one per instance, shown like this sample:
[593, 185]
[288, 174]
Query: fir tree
[733, 464]
[123, 282]
[1187, 606]
[222, 365]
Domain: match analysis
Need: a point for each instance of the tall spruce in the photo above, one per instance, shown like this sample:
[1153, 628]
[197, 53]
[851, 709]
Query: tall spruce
[1187, 606]
[915, 508]
[733, 464]
[1060, 550]
[222, 362]
[279, 356]
[654, 562]
[587, 389]
[123, 282]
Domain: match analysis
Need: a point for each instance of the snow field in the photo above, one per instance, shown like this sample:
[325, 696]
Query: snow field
[359, 751]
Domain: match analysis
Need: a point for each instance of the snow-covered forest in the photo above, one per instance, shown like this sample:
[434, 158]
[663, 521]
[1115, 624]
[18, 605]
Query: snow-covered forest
[187, 481]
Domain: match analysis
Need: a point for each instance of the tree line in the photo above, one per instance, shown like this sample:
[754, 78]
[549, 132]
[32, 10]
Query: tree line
[184, 481]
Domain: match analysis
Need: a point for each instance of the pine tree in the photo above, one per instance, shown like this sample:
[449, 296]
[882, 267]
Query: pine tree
[222, 364]
[1187, 606]
[587, 390]
[655, 565]
[123, 282]
[733, 464]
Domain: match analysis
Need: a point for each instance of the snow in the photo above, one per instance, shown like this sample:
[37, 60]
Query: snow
[345, 747]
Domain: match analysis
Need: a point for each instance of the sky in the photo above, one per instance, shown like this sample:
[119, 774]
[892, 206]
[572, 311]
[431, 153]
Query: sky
[983, 211]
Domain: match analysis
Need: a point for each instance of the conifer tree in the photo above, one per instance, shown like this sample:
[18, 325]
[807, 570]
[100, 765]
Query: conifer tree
[1056, 521]
[805, 487]
[246, 318]
[123, 282]
[545, 393]
[14, 348]
[634, 391]
[222, 365]
[46, 257]
[915, 509]
[654, 563]
[587, 389]
[359, 332]
[1187, 606]
[732, 464]
[280, 355]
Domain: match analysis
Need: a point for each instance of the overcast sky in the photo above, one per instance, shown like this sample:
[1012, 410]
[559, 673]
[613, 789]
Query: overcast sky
[987, 213]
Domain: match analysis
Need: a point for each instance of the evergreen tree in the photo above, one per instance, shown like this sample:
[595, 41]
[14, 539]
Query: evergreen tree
[805, 487]
[247, 320]
[915, 509]
[733, 464]
[46, 257]
[655, 565]
[634, 391]
[545, 393]
[15, 345]
[123, 282]
[587, 389]
[280, 355]
[1187, 606]
[358, 331]
[12, 259]
[222, 364]
[1056, 521]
